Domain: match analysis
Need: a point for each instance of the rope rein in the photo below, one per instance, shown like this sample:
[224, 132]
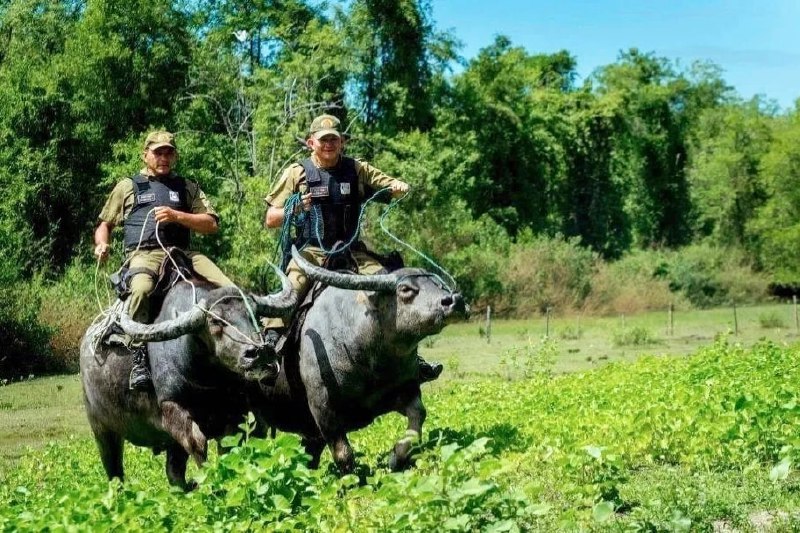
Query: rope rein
[298, 220]
[111, 312]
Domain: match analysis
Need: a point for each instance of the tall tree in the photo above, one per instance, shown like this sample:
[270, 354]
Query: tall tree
[654, 97]
[393, 44]
[728, 145]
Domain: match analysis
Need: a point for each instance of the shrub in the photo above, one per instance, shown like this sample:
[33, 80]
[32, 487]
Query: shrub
[69, 306]
[544, 273]
[25, 340]
[635, 336]
[628, 286]
[709, 276]
[771, 320]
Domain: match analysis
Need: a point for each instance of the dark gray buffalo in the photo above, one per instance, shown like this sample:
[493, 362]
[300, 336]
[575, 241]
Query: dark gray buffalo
[201, 357]
[357, 359]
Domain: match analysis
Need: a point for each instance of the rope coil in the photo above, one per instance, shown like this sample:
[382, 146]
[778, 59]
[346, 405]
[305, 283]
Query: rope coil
[292, 218]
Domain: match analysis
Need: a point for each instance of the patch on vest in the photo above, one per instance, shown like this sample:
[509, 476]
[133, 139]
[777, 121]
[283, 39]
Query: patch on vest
[146, 198]
[318, 191]
[174, 196]
[344, 188]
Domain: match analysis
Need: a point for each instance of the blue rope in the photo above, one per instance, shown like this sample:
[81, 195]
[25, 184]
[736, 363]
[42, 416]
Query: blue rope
[430, 261]
[290, 218]
[314, 217]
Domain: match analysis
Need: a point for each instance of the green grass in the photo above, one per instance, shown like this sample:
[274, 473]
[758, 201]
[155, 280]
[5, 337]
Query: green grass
[35, 412]
[548, 440]
[594, 345]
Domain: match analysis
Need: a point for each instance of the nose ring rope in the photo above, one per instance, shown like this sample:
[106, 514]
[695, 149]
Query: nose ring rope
[104, 314]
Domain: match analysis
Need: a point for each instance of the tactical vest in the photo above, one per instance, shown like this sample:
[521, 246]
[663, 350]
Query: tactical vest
[148, 194]
[335, 195]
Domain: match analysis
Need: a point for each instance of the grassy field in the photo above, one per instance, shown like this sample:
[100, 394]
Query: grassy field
[707, 442]
[584, 342]
[36, 411]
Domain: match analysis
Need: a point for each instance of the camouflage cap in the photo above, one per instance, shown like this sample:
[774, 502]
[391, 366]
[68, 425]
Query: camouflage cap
[324, 125]
[157, 139]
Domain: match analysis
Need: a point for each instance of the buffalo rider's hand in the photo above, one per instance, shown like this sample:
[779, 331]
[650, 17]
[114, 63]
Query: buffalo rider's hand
[399, 188]
[166, 214]
[101, 251]
[305, 202]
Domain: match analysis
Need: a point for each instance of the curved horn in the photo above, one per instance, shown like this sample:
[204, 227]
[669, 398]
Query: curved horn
[186, 322]
[376, 282]
[280, 303]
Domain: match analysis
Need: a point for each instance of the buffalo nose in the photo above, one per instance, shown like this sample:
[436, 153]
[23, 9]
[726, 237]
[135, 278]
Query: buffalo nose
[455, 303]
[250, 358]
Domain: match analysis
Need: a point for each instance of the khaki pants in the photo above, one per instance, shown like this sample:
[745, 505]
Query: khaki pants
[367, 265]
[142, 284]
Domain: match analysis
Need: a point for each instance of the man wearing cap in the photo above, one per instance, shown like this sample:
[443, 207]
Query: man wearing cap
[156, 197]
[338, 185]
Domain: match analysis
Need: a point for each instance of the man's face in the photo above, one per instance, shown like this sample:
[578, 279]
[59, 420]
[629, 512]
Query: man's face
[327, 148]
[161, 160]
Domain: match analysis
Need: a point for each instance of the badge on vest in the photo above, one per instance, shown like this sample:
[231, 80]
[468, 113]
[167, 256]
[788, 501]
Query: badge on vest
[318, 191]
[344, 188]
[146, 198]
[174, 196]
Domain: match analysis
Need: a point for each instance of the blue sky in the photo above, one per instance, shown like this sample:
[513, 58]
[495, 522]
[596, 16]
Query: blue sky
[756, 43]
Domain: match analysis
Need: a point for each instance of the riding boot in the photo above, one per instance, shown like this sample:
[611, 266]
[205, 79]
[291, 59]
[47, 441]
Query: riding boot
[140, 373]
[428, 371]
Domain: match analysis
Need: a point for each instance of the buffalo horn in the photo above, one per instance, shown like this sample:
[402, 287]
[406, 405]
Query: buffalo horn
[186, 322]
[356, 282]
[280, 303]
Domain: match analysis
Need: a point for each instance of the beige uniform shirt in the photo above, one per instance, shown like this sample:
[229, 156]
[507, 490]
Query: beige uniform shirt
[294, 178]
[121, 200]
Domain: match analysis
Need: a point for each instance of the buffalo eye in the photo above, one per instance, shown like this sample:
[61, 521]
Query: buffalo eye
[215, 327]
[406, 291]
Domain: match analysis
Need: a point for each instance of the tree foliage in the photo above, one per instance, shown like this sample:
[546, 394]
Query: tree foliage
[500, 151]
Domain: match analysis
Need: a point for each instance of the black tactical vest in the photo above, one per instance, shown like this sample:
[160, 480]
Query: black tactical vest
[335, 191]
[147, 194]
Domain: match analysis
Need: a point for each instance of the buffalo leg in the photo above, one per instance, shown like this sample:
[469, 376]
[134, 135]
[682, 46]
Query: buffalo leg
[342, 453]
[415, 411]
[111, 447]
[178, 423]
[314, 447]
[176, 467]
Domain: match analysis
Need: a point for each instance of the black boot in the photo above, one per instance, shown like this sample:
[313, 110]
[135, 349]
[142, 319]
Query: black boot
[140, 374]
[429, 371]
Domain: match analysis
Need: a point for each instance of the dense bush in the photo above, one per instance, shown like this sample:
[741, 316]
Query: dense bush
[24, 339]
[710, 276]
[543, 273]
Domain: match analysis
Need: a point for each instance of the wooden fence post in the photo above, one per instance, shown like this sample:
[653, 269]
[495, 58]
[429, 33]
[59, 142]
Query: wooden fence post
[547, 323]
[796, 321]
[488, 324]
[735, 320]
[671, 319]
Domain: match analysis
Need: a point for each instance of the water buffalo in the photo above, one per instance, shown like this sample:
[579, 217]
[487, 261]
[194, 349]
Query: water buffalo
[201, 357]
[356, 359]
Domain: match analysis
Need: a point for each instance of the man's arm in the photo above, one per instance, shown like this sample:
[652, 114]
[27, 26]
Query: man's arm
[377, 179]
[200, 222]
[102, 239]
[275, 216]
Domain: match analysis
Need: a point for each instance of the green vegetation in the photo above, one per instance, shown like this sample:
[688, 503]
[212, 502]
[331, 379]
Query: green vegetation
[648, 184]
[570, 208]
[687, 443]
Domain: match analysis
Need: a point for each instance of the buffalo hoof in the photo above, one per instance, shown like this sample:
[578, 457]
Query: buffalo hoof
[398, 463]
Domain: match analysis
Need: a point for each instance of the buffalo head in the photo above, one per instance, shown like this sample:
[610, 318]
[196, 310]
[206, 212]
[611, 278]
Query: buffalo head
[422, 306]
[226, 321]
